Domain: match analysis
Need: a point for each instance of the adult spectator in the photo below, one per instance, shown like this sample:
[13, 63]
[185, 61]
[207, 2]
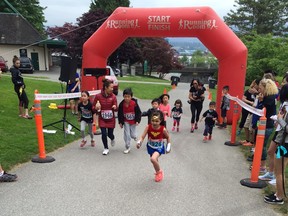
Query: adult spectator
[249, 98]
[267, 96]
[281, 159]
[196, 97]
[19, 88]
[73, 87]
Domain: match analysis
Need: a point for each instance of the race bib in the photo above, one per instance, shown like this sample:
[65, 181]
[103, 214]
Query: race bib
[156, 144]
[130, 116]
[106, 114]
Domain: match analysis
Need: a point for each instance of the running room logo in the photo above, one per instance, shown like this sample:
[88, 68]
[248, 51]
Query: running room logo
[122, 24]
[197, 24]
[159, 23]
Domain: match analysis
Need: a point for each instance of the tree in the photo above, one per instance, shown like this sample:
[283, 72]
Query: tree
[87, 24]
[184, 60]
[261, 16]
[67, 33]
[265, 52]
[29, 9]
[159, 54]
[198, 58]
[108, 6]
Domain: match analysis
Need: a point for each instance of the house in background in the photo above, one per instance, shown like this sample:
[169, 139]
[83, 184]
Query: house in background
[18, 37]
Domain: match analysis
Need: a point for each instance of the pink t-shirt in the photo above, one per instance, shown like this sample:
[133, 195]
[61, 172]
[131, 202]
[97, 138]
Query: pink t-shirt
[166, 110]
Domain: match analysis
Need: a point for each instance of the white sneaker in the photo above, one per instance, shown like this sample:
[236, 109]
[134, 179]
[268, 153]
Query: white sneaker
[272, 182]
[105, 152]
[126, 151]
[113, 142]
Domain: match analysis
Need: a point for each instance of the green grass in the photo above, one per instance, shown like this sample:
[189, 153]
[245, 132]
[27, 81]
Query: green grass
[145, 91]
[18, 135]
[142, 78]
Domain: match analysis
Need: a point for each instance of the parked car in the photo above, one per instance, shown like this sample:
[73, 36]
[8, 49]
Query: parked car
[3, 64]
[112, 77]
[26, 65]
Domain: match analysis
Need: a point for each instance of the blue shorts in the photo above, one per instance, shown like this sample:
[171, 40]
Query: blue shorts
[152, 150]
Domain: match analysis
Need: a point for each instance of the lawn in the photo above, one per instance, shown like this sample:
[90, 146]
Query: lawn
[143, 78]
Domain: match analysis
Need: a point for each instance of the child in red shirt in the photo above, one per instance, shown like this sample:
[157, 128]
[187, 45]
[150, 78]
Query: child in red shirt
[129, 116]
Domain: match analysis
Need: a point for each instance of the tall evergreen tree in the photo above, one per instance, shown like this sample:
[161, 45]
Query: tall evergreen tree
[29, 9]
[108, 6]
[260, 16]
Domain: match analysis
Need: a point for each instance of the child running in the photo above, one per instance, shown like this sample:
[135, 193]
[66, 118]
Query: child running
[210, 118]
[86, 116]
[176, 113]
[155, 106]
[155, 145]
[129, 116]
[165, 107]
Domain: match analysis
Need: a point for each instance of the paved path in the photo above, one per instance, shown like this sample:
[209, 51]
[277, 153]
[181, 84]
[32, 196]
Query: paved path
[200, 178]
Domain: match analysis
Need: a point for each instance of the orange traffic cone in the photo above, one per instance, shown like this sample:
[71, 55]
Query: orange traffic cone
[209, 96]
[164, 91]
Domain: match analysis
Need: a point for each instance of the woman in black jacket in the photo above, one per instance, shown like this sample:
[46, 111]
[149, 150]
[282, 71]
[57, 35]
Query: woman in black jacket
[19, 88]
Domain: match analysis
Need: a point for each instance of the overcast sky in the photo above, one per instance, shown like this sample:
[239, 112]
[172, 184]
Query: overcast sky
[60, 11]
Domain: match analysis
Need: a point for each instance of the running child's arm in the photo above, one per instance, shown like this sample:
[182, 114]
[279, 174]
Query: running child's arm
[166, 134]
[142, 137]
[203, 116]
[94, 118]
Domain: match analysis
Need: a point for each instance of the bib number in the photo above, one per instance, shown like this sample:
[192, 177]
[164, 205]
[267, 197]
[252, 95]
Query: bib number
[106, 114]
[130, 116]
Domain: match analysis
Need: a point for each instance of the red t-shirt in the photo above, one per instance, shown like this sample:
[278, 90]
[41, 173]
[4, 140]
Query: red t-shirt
[155, 134]
[129, 112]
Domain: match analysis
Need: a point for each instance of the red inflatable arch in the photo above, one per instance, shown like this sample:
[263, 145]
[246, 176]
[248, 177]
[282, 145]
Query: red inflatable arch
[200, 22]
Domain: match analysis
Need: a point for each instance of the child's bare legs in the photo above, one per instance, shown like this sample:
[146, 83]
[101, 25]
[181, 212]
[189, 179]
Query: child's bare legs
[21, 113]
[271, 155]
[247, 134]
[72, 105]
[279, 176]
[76, 102]
[225, 120]
[154, 161]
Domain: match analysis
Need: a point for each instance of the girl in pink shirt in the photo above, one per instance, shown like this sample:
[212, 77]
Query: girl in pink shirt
[165, 107]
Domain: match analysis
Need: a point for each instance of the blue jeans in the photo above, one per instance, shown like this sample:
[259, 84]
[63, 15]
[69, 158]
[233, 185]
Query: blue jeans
[208, 129]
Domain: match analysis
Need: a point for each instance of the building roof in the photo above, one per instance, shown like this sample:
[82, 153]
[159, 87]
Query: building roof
[14, 29]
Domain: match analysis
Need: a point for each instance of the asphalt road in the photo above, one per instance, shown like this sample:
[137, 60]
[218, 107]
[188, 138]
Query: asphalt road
[200, 179]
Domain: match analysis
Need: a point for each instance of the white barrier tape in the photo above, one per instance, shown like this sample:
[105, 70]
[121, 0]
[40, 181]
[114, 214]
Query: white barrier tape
[251, 109]
[63, 96]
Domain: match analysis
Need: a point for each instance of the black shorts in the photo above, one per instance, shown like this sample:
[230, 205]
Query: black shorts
[223, 113]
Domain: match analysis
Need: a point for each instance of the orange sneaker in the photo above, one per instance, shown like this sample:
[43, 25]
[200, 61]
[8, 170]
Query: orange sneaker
[159, 176]
[248, 144]
[205, 139]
